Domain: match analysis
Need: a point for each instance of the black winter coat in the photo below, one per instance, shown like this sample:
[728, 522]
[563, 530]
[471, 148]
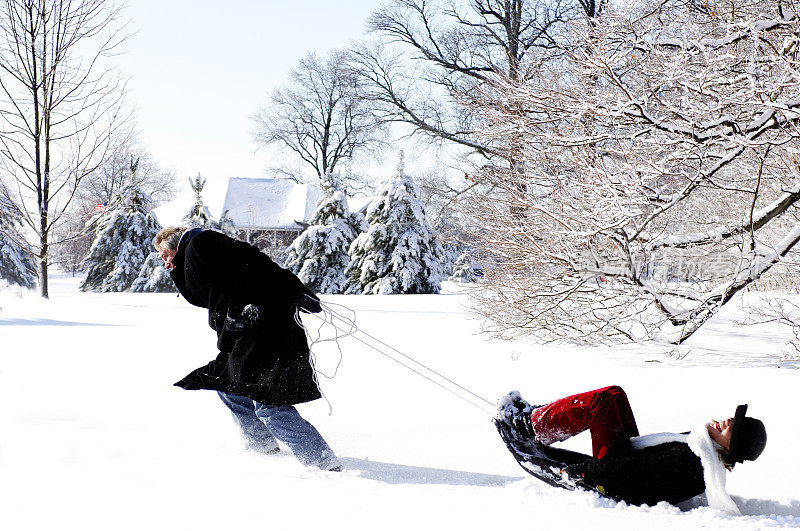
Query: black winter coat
[266, 360]
[668, 472]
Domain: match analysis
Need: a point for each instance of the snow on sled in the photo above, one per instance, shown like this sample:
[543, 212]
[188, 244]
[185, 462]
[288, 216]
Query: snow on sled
[542, 462]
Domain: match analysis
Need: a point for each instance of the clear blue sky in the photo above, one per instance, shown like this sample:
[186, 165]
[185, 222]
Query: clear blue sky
[200, 69]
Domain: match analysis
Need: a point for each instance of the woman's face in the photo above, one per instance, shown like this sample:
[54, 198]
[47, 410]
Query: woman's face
[720, 432]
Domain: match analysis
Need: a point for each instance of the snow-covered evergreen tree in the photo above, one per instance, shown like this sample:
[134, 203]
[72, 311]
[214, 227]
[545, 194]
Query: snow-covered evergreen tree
[153, 276]
[463, 270]
[319, 255]
[452, 249]
[16, 264]
[124, 239]
[226, 226]
[198, 215]
[399, 252]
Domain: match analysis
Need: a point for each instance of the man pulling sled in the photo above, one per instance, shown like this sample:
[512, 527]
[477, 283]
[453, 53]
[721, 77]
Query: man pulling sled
[671, 467]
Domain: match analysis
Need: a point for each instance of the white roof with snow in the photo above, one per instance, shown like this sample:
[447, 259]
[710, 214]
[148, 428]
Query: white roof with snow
[359, 203]
[270, 203]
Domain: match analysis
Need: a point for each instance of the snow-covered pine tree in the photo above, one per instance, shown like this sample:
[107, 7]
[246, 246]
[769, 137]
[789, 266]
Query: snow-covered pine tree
[452, 249]
[16, 264]
[198, 215]
[226, 225]
[399, 252]
[153, 277]
[124, 239]
[463, 270]
[319, 255]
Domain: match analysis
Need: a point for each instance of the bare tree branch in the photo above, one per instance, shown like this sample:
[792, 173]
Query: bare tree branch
[321, 115]
[450, 52]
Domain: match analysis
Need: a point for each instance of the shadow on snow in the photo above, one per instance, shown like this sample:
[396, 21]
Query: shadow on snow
[756, 507]
[46, 322]
[395, 474]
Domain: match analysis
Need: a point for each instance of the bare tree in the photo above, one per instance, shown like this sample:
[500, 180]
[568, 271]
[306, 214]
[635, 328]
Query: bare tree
[114, 174]
[681, 193]
[59, 107]
[321, 115]
[449, 51]
[72, 239]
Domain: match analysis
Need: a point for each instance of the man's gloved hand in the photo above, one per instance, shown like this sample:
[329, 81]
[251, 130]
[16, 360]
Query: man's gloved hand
[308, 303]
[248, 316]
[251, 312]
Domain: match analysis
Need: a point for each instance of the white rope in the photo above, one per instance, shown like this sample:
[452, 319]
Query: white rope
[312, 359]
[319, 339]
[350, 329]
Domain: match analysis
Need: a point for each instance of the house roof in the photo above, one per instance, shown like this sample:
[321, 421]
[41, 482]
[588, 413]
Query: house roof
[359, 203]
[270, 203]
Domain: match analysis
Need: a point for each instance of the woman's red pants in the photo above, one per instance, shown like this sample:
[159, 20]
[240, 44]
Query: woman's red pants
[605, 412]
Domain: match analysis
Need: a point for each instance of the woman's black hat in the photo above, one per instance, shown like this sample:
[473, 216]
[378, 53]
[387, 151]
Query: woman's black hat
[748, 438]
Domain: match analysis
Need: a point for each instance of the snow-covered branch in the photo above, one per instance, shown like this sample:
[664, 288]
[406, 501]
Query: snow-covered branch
[654, 182]
[716, 234]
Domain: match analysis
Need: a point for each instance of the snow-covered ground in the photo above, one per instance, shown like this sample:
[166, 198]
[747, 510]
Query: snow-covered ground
[93, 435]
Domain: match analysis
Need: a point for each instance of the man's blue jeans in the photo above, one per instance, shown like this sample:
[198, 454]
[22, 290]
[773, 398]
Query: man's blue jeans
[264, 426]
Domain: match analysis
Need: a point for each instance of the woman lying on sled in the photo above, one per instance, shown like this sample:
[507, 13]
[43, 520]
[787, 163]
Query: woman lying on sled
[671, 467]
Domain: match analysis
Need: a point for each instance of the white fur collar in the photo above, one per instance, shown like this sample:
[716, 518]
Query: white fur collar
[644, 441]
[713, 470]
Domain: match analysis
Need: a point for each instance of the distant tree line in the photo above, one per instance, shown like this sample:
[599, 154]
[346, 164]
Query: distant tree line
[393, 250]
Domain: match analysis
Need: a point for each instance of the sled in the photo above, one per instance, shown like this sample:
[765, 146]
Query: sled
[542, 462]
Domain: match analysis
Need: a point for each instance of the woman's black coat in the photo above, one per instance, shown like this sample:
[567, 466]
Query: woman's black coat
[668, 472]
[266, 359]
